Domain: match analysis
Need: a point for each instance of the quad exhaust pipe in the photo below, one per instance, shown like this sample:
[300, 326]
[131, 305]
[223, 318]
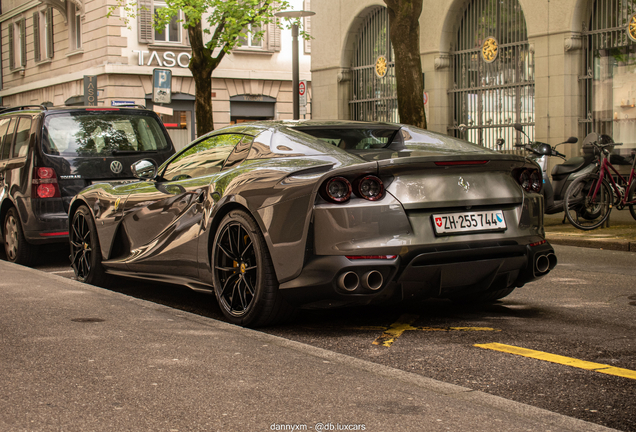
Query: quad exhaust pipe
[349, 281]
[371, 280]
[545, 263]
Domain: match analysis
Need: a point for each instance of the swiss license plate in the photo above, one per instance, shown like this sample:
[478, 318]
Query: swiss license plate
[469, 222]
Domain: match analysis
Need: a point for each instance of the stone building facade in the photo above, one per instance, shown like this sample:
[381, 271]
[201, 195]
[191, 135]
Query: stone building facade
[563, 68]
[48, 46]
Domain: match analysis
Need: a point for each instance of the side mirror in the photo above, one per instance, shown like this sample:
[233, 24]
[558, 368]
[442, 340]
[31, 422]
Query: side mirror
[572, 140]
[518, 127]
[500, 142]
[144, 169]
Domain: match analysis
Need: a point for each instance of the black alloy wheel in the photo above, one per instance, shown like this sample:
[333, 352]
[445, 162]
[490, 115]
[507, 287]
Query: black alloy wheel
[85, 250]
[16, 248]
[245, 284]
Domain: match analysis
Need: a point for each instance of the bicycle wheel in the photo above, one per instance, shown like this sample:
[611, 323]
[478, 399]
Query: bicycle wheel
[581, 210]
[631, 198]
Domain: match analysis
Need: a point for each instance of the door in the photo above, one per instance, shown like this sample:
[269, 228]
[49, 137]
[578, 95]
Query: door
[4, 125]
[163, 219]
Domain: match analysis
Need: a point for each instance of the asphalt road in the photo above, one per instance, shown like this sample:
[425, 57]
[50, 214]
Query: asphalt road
[583, 310]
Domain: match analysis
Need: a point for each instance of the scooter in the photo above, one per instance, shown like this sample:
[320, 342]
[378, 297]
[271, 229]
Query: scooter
[562, 175]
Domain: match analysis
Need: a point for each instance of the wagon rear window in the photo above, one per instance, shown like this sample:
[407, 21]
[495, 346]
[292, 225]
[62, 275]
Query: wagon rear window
[102, 134]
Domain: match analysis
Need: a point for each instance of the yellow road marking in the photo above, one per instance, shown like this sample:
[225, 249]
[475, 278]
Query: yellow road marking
[403, 324]
[554, 358]
[395, 330]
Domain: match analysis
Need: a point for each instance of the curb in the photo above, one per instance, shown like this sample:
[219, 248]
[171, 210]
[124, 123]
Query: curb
[613, 244]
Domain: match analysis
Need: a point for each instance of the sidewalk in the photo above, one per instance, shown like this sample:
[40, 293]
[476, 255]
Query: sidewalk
[621, 234]
[79, 358]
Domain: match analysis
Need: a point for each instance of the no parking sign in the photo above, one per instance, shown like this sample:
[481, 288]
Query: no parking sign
[302, 93]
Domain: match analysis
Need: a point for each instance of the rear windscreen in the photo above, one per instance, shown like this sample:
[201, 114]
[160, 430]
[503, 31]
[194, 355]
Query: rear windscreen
[353, 139]
[101, 134]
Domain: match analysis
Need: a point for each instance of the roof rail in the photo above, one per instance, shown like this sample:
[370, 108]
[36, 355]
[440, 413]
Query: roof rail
[130, 106]
[21, 108]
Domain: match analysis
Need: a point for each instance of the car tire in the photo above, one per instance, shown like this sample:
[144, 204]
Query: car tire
[245, 283]
[16, 247]
[85, 250]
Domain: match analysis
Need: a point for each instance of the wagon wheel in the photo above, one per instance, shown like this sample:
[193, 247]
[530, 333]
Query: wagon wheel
[16, 248]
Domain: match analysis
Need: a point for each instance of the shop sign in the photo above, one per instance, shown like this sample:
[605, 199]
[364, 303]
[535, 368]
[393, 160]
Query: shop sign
[166, 59]
[90, 90]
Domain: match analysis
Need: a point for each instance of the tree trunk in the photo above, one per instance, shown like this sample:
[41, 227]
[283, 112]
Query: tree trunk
[201, 65]
[404, 22]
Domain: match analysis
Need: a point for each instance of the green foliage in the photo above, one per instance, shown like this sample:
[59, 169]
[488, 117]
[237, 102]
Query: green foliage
[223, 22]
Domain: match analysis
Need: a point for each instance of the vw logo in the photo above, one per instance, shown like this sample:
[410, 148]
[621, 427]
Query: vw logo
[116, 167]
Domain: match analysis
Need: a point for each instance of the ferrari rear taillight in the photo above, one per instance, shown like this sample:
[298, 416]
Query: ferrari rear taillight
[44, 184]
[536, 182]
[529, 179]
[337, 190]
[369, 187]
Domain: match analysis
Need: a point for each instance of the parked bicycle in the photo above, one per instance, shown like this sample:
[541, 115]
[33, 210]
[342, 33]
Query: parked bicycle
[589, 200]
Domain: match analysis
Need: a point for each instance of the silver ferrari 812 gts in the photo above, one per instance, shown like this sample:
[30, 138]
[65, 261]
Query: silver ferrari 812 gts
[274, 216]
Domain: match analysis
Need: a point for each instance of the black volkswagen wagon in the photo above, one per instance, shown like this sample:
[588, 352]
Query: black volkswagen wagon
[47, 155]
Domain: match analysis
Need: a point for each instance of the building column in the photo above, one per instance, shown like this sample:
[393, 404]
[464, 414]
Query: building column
[438, 80]
[558, 93]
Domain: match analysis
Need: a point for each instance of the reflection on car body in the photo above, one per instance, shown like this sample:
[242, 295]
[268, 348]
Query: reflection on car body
[272, 216]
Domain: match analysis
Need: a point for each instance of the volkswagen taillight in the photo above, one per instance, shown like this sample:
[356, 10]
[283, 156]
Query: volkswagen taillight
[44, 183]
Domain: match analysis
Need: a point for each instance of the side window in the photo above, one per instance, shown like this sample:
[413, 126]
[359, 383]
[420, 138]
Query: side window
[22, 137]
[4, 124]
[8, 139]
[204, 158]
[240, 152]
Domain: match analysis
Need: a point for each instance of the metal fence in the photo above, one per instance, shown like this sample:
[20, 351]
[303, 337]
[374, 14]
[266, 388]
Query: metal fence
[492, 90]
[374, 97]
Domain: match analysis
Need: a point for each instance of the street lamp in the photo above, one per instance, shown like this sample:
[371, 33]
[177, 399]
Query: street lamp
[295, 73]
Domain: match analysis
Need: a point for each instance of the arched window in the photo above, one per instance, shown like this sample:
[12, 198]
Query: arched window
[493, 73]
[374, 92]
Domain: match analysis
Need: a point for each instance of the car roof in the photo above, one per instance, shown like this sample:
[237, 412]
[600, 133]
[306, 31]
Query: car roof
[62, 109]
[253, 128]
[326, 124]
